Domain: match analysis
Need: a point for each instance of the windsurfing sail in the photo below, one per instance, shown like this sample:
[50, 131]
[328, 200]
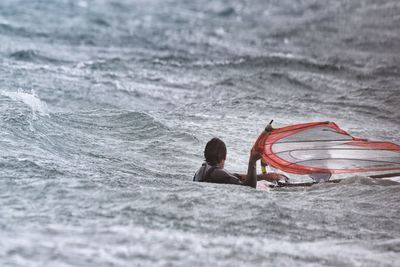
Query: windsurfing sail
[320, 149]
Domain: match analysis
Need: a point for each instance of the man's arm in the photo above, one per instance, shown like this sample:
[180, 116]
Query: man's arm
[251, 178]
[271, 177]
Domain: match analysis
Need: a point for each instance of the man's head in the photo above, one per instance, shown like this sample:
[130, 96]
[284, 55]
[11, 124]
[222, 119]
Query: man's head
[215, 151]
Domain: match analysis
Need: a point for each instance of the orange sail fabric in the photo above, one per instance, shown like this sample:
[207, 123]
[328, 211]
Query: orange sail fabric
[322, 147]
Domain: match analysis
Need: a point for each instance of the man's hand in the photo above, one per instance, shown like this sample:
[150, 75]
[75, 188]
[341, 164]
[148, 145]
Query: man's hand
[272, 176]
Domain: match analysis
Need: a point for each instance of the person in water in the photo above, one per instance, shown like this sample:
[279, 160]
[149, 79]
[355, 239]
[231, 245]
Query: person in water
[213, 171]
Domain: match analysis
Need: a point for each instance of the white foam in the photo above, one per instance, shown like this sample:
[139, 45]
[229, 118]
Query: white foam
[83, 4]
[30, 99]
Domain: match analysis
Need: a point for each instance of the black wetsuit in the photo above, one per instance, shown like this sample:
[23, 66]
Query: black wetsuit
[215, 174]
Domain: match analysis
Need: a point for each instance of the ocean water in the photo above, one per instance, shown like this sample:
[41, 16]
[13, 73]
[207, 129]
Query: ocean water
[106, 106]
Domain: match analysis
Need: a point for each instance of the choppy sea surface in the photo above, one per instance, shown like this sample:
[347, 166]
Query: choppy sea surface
[106, 106]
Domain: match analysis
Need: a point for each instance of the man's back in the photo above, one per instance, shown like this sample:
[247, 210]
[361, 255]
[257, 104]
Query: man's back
[215, 174]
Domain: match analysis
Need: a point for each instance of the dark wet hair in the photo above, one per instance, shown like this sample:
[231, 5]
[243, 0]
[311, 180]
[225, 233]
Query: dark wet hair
[215, 151]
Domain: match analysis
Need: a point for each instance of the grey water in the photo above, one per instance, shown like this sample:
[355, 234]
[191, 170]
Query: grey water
[106, 106]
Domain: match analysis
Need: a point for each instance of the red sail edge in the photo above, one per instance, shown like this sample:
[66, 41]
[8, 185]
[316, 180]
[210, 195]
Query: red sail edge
[348, 145]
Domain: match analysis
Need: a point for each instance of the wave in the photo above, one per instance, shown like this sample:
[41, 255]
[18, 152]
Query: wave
[103, 64]
[127, 141]
[30, 99]
[30, 55]
[125, 126]
[282, 60]
[100, 22]
[275, 60]
[29, 168]
[362, 180]
[387, 71]
[133, 125]
[7, 29]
